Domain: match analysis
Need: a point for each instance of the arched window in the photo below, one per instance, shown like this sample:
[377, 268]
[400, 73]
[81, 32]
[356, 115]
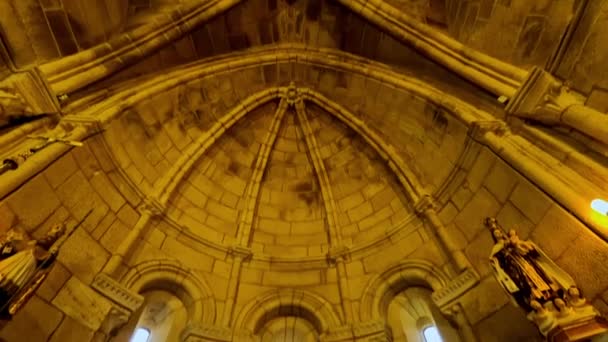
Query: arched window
[431, 334]
[141, 335]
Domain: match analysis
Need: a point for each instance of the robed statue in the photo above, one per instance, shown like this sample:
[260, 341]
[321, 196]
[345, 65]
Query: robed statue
[23, 267]
[535, 283]
[25, 264]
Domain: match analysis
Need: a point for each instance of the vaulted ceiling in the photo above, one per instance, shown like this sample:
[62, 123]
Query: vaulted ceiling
[286, 182]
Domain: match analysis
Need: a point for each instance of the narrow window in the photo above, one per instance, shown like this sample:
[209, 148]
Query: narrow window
[431, 334]
[141, 335]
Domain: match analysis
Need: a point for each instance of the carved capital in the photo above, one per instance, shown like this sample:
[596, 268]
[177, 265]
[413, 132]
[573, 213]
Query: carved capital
[115, 320]
[478, 129]
[116, 292]
[26, 94]
[240, 252]
[91, 124]
[151, 206]
[541, 97]
[338, 253]
[424, 203]
[445, 297]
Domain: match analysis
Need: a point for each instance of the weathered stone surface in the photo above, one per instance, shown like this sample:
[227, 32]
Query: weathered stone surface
[83, 256]
[35, 322]
[82, 304]
[34, 202]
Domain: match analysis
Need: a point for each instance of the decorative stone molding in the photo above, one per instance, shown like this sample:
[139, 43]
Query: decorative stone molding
[205, 333]
[116, 292]
[115, 319]
[338, 253]
[425, 202]
[240, 252]
[447, 295]
[541, 97]
[291, 94]
[151, 206]
[376, 329]
[478, 129]
[26, 94]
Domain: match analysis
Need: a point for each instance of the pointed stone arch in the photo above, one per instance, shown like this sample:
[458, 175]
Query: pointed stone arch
[173, 277]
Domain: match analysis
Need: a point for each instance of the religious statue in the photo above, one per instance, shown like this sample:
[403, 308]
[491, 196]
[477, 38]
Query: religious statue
[24, 266]
[535, 283]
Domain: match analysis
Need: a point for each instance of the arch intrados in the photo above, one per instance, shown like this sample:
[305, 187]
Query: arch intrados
[274, 304]
[171, 276]
[381, 289]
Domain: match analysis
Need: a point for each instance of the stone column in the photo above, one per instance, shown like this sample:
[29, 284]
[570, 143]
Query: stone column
[426, 209]
[545, 99]
[239, 254]
[338, 256]
[148, 210]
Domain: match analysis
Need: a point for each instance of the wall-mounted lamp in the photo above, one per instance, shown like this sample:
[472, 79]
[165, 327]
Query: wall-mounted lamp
[600, 206]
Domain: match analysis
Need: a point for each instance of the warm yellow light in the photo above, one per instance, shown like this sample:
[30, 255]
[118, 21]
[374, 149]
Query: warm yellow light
[600, 206]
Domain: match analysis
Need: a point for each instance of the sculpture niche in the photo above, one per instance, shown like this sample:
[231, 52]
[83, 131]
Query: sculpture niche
[547, 294]
[24, 265]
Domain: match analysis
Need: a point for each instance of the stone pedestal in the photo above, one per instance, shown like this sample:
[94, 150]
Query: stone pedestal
[594, 330]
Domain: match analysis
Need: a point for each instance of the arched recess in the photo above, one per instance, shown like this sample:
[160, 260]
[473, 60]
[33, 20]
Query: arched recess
[171, 276]
[287, 302]
[385, 286]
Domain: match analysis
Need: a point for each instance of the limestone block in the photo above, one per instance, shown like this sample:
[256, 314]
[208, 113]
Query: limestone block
[82, 304]
[187, 255]
[156, 237]
[510, 217]
[9, 219]
[392, 254]
[54, 282]
[478, 253]
[83, 256]
[251, 275]
[107, 191]
[291, 279]
[519, 328]
[482, 300]
[430, 251]
[35, 322]
[556, 231]
[114, 235]
[33, 202]
[530, 200]
[470, 219]
[461, 197]
[501, 180]
[128, 215]
[71, 330]
[78, 196]
[586, 260]
[103, 226]
[61, 170]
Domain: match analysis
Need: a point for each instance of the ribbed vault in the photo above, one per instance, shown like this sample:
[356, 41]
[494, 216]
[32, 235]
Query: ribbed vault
[289, 180]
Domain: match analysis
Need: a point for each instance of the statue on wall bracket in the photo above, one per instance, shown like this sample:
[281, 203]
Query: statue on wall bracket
[547, 294]
[24, 265]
